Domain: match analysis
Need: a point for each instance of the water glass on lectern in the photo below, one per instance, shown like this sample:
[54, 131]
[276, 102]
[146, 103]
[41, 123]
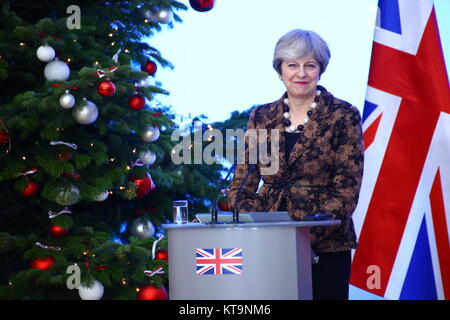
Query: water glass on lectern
[180, 211]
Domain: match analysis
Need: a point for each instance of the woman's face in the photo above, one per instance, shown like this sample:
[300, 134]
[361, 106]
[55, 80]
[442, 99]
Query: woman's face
[300, 76]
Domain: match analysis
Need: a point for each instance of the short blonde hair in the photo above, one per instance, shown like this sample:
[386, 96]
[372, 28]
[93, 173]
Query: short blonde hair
[298, 44]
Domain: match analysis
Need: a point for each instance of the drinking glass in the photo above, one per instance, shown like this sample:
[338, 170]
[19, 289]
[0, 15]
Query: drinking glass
[180, 211]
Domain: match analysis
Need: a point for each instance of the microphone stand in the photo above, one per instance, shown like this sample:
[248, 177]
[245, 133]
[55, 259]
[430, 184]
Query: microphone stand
[236, 202]
[219, 188]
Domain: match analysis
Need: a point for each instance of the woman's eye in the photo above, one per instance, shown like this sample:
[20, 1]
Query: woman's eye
[311, 65]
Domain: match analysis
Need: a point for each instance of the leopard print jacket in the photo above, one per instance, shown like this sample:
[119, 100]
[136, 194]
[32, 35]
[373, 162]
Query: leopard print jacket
[322, 174]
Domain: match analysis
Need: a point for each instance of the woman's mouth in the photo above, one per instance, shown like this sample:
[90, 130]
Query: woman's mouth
[302, 83]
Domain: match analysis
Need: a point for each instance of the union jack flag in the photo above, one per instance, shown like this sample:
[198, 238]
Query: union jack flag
[403, 214]
[219, 261]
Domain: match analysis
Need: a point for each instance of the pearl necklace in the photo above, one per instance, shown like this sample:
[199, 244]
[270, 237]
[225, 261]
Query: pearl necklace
[287, 123]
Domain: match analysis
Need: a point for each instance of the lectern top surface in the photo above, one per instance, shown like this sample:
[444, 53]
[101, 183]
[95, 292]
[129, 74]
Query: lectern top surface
[296, 224]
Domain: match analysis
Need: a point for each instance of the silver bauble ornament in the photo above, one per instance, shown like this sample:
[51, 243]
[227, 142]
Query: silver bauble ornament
[95, 292]
[146, 82]
[56, 71]
[147, 157]
[142, 229]
[67, 100]
[163, 15]
[146, 13]
[45, 53]
[68, 196]
[87, 113]
[102, 196]
[150, 134]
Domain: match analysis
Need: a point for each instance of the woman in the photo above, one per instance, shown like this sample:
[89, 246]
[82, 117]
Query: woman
[320, 159]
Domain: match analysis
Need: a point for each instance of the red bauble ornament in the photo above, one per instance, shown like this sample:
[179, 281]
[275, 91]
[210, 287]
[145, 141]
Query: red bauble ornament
[106, 88]
[31, 189]
[42, 264]
[149, 67]
[150, 292]
[58, 231]
[4, 137]
[144, 185]
[136, 102]
[224, 206]
[162, 255]
[65, 155]
[202, 5]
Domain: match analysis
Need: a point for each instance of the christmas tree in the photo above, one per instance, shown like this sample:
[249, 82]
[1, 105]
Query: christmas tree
[86, 176]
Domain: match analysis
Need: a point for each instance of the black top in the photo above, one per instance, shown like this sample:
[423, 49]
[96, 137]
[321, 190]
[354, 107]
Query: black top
[290, 140]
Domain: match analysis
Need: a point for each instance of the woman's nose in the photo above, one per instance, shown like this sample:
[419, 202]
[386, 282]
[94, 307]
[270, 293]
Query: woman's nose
[301, 72]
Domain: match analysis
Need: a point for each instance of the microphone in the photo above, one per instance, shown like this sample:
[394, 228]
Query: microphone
[219, 188]
[238, 193]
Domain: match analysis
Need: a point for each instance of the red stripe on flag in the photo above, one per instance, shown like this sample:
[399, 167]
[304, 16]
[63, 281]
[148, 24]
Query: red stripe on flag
[370, 132]
[441, 232]
[218, 261]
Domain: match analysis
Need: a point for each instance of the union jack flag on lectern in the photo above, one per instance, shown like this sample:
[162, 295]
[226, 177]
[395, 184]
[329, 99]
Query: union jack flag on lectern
[219, 261]
[403, 214]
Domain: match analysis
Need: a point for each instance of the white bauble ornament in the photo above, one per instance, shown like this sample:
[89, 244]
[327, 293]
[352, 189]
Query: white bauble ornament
[142, 229]
[147, 157]
[150, 134]
[87, 113]
[67, 100]
[45, 53]
[93, 293]
[164, 15]
[102, 196]
[56, 71]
